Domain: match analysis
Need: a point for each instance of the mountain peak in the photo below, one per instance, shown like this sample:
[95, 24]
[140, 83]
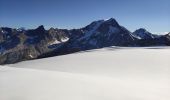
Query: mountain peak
[94, 25]
[144, 34]
[141, 30]
[29, 44]
[109, 22]
[40, 28]
[112, 21]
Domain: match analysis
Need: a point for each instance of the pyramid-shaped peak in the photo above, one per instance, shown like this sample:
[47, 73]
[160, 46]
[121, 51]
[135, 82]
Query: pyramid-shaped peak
[112, 22]
[97, 22]
[40, 28]
[141, 30]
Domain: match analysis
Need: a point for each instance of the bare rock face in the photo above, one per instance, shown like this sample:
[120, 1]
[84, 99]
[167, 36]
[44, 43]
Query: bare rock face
[143, 34]
[17, 46]
[101, 34]
[167, 39]
[168, 35]
[21, 44]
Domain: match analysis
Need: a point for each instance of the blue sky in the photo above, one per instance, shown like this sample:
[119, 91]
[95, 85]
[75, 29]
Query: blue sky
[154, 15]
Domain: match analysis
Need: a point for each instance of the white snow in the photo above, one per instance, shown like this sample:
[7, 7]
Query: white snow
[2, 31]
[57, 41]
[31, 56]
[169, 34]
[65, 39]
[103, 74]
[138, 37]
[164, 33]
[160, 33]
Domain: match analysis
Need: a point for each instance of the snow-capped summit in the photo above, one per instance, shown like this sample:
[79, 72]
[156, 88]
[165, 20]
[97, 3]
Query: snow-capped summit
[21, 29]
[18, 45]
[94, 24]
[99, 34]
[112, 22]
[143, 34]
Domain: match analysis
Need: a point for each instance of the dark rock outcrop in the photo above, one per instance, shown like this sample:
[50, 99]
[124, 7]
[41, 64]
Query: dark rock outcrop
[27, 44]
[144, 34]
[21, 44]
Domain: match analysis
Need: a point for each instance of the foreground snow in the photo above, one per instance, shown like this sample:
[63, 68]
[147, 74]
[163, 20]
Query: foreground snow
[105, 74]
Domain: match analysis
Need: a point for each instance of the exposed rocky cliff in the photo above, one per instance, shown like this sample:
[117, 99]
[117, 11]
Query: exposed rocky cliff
[20, 44]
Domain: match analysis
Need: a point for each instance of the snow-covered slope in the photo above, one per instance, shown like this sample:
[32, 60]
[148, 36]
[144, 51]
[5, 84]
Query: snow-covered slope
[144, 34]
[102, 33]
[24, 44]
[111, 73]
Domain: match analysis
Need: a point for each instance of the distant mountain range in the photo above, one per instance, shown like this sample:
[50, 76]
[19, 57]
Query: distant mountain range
[21, 44]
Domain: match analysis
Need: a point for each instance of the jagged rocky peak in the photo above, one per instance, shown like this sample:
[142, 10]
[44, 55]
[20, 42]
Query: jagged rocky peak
[102, 33]
[110, 26]
[102, 23]
[142, 33]
[93, 25]
[39, 31]
[58, 34]
[6, 31]
[52, 30]
[40, 28]
[23, 44]
[96, 22]
[112, 22]
[21, 29]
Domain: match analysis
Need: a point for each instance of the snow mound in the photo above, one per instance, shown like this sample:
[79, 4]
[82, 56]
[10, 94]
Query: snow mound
[113, 73]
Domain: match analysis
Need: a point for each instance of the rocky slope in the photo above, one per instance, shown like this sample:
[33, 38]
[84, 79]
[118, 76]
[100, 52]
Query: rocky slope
[20, 44]
[144, 34]
[16, 45]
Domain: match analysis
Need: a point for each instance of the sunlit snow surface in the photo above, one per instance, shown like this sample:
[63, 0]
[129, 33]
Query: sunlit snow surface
[113, 73]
